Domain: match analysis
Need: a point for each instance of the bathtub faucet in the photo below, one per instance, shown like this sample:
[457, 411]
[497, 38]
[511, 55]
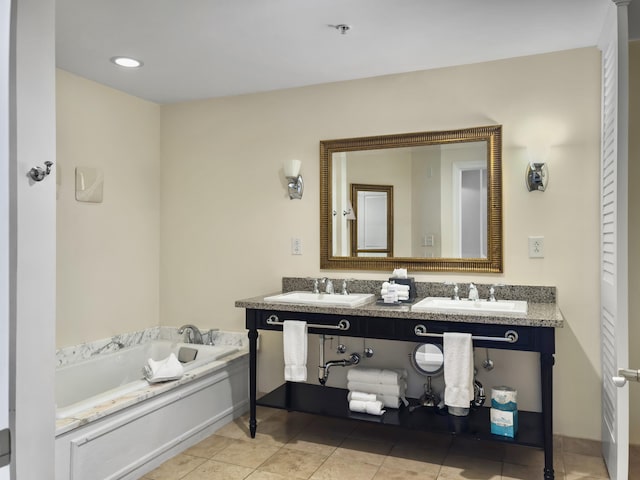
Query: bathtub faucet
[194, 333]
[116, 344]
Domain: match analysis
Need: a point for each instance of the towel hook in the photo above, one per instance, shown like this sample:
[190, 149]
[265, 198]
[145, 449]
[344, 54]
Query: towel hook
[37, 174]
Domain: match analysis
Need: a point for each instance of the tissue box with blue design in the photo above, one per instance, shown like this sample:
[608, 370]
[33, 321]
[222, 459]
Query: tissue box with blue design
[504, 411]
[504, 423]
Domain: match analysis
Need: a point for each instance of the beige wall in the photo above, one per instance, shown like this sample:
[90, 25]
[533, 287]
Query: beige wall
[634, 233]
[108, 253]
[227, 221]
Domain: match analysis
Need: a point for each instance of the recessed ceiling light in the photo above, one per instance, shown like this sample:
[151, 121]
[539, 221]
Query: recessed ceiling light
[127, 62]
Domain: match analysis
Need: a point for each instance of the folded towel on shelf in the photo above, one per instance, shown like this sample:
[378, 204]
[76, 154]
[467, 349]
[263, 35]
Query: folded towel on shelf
[397, 390]
[376, 375]
[399, 287]
[163, 370]
[294, 340]
[393, 401]
[362, 406]
[458, 369]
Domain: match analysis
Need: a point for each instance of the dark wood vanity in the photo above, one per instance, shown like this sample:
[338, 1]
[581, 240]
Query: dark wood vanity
[535, 333]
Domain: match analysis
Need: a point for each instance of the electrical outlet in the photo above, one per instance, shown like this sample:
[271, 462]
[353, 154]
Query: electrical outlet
[536, 247]
[296, 246]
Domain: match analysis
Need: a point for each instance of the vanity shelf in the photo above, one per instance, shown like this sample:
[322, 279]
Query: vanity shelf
[332, 402]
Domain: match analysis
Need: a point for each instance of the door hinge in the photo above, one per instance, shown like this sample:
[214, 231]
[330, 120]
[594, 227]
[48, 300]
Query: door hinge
[5, 447]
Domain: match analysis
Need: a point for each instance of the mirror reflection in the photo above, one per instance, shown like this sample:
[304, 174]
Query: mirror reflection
[428, 358]
[445, 212]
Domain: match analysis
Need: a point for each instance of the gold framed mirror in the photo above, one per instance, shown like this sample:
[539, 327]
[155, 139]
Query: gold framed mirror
[447, 200]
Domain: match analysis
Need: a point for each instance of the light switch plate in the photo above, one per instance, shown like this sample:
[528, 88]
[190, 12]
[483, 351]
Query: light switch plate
[89, 184]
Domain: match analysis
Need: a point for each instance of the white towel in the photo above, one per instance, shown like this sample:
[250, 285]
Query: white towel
[294, 339]
[376, 375]
[399, 287]
[378, 388]
[361, 406]
[458, 369]
[163, 370]
[393, 401]
[364, 397]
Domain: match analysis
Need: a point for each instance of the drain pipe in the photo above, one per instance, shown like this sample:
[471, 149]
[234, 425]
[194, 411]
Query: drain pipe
[323, 368]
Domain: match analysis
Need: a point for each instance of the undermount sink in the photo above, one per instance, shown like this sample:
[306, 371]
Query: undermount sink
[445, 304]
[322, 299]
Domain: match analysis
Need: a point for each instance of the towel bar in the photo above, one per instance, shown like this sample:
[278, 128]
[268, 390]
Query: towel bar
[342, 324]
[510, 336]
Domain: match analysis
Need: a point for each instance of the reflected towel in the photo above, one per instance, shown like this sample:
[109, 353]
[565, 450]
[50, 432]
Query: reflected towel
[294, 340]
[163, 370]
[458, 369]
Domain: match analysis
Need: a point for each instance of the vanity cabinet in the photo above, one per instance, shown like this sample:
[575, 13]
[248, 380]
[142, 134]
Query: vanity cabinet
[535, 428]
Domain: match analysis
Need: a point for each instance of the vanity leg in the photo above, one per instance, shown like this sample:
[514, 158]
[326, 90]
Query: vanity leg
[546, 370]
[253, 364]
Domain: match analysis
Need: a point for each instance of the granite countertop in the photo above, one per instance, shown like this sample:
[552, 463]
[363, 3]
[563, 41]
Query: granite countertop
[540, 314]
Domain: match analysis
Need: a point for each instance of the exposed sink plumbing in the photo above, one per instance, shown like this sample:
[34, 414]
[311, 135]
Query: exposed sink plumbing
[323, 368]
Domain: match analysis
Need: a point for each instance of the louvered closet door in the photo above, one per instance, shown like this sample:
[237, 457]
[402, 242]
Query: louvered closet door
[614, 256]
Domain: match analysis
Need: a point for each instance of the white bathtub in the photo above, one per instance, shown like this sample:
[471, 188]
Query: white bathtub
[105, 409]
[84, 385]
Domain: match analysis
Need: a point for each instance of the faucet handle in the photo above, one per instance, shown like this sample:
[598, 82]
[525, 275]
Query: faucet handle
[345, 290]
[492, 291]
[455, 290]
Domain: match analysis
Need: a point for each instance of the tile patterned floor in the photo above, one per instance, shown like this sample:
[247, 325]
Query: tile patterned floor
[299, 446]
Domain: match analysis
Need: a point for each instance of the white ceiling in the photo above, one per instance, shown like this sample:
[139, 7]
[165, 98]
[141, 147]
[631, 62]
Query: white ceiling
[194, 49]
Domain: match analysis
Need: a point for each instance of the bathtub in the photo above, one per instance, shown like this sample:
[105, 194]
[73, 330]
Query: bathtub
[84, 385]
[106, 409]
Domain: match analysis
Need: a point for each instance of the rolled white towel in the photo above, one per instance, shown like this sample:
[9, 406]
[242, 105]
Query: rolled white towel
[374, 408]
[163, 370]
[400, 295]
[376, 375]
[378, 388]
[358, 406]
[364, 397]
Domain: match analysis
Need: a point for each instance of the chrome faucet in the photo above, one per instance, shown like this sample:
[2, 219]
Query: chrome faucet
[473, 292]
[194, 335]
[328, 286]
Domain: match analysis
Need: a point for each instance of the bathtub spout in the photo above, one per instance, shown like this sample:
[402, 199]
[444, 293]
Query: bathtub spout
[194, 335]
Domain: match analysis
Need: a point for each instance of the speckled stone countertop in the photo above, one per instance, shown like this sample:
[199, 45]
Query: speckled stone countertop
[542, 308]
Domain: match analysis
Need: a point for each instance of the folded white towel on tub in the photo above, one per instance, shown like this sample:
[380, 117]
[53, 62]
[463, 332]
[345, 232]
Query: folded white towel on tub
[294, 340]
[458, 369]
[163, 370]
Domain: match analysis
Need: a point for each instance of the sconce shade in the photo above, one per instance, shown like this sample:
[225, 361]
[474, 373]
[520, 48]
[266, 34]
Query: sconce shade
[292, 168]
[295, 184]
[349, 213]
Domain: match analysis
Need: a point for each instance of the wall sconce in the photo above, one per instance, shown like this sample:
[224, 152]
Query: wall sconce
[537, 176]
[292, 172]
[348, 213]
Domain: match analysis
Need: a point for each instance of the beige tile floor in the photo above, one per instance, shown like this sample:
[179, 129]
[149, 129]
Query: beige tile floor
[300, 446]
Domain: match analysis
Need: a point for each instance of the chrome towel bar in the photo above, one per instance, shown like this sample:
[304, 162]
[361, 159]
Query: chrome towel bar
[510, 336]
[342, 324]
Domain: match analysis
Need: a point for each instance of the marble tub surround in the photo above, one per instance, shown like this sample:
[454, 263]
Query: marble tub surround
[84, 351]
[530, 293]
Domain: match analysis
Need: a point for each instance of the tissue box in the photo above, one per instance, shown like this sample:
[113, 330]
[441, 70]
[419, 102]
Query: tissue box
[504, 398]
[411, 281]
[504, 423]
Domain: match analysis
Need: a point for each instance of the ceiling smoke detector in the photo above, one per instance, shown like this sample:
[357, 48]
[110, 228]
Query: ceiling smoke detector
[343, 28]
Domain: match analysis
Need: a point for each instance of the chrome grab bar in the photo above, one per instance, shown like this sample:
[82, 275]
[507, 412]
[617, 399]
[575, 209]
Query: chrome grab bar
[342, 324]
[510, 336]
